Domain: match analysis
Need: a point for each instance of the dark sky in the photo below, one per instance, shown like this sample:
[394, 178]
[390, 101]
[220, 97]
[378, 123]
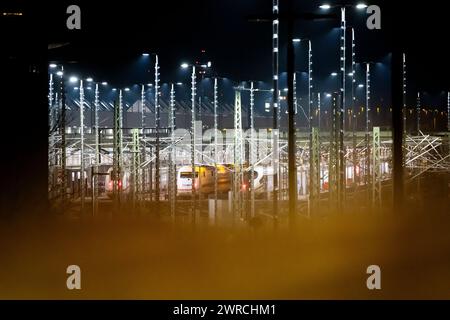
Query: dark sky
[114, 34]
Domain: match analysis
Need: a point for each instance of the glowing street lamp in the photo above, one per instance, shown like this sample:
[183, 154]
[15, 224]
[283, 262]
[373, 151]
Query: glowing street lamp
[325, 7]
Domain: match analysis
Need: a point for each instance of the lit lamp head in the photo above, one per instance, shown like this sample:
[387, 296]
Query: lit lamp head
[361, 6]
[325, 6]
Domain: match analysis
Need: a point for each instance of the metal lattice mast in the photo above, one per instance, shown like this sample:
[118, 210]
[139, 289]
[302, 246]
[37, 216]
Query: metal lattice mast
[275, 154]
[172, 154]
[136, 164]
[353, 107]
[62, 129]
[333, 169]
[404, 98]
[310, 86]
[418, 105]
[120, 131]
[143, 135]
[50, 135]
[82, 175]
[367, 126]
[142, 108]
[343, 66]
[318, 110]
[157, 125]
[50, 102]
[376, 165]
[353, 74]
[295, 96]
[314, 174]
[117, 145]
[341, 163]
[97, 151]
[404, 109]
[193, 92]
[238, 154]
[448, 110]
[216, 101]
[114, 174]
[252, 157]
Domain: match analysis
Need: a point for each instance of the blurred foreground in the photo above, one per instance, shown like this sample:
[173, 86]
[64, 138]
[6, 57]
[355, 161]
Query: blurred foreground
[147, 258]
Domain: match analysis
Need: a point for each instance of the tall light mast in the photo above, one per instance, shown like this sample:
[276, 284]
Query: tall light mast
[157, 125]
[82, 145]
[275, 155]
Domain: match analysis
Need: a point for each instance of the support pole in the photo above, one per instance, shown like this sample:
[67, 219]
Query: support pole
[418, 106]
[172, 155]
[117, 152]
[318, 110]
[157, 126]
[292, 169]
[51, 140]
[252, 156]
[95, 191]
[144, 183]
[238, 156]
[193, 91]
[62, 129]
[448, 111]
[216, 101]
[367, 127]
[333, 163]
[82, 175]
[275, 155]
[404, 110]
[341, 163]
[314, 175]
[376, 165]
[136, 165]
[353, 109]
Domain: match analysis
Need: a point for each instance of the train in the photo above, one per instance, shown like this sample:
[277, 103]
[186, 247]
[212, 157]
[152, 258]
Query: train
[204, 178]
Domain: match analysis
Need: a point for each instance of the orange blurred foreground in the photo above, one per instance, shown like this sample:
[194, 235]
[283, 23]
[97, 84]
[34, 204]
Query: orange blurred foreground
[145, 258]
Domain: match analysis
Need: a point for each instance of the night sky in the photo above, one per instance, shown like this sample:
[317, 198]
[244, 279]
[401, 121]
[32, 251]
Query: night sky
[114, 34]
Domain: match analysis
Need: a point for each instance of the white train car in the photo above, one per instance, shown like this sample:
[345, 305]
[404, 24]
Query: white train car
[204, 179]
